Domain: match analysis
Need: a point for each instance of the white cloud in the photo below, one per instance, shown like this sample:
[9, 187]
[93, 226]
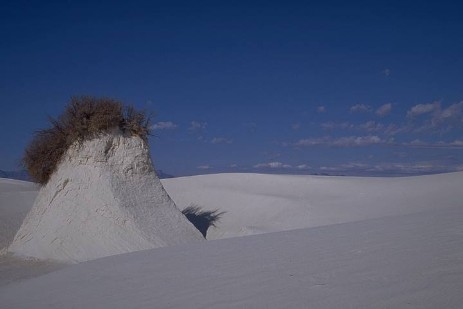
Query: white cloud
[452, 115]
[441, 119]
[371, 126]
[384, 110]
[164, 125]
[440, 144]
[407, 168]
[398, 168]
[221, 140]
[272, 165]
[393, 129]
[196, 125]
[313, 141]
[351, 166]
[336, 125]
[360, 108]
[423, 109]
[416, 142]
[321, 109]
[454, 110]
[357, 141]
[350, 141]
[303, 167]
[330, 169]
[204, 167]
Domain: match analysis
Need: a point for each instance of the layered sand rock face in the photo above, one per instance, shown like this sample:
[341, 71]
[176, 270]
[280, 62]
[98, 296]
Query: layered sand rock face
[104, 199]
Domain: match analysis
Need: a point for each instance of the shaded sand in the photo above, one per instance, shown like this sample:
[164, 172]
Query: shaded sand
[409, 261]
[14, 269]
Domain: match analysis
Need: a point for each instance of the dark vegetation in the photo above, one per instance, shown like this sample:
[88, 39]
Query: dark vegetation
[84, 117]
[202, 219]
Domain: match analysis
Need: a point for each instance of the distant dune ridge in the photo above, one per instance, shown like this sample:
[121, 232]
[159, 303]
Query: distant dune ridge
[103, 198]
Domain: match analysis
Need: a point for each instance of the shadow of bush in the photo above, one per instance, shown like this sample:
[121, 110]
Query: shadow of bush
[202, 219]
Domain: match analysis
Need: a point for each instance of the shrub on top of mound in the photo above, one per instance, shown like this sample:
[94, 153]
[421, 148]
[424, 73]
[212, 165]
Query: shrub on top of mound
[84, 117]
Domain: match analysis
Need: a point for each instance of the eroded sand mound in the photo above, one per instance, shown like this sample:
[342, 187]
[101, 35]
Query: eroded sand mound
[103, 199]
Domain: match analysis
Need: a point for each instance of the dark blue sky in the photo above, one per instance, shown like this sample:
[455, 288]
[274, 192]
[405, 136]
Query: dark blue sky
[286, 87]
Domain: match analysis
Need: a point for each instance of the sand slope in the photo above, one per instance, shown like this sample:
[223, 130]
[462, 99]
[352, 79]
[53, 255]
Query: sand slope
[256, 203]
[411, 261]
[16, 199]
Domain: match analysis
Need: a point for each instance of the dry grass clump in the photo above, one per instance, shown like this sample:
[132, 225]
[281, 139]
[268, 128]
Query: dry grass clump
[85, 117]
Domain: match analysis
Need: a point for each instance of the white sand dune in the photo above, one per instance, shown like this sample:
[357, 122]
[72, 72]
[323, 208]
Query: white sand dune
[363, 243]
[257, 203]
[16, 199]
[410, 261]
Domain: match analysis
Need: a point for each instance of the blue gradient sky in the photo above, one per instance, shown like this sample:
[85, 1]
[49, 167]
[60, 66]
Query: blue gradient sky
[282, 87]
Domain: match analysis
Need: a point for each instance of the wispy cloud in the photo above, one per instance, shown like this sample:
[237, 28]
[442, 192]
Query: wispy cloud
[197, 126]
[436, 117]
[164, 125]
[410, 168]
[273, 165]
[204, 167]
[360, 108]
[296, 126]
[337, 125]
[394, 129]
[392, 168]
[422, 118]
[321, 109]
[452, 115]
[440, 144]
[350, 141]
[372, 126]
[221, 140]
[344, 167]
[303, 167]
[384, 110]
[198, 129]
[386, 72]
[421, 109]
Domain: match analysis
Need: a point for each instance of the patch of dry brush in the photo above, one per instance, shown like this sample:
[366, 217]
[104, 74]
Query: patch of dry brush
[85, 117]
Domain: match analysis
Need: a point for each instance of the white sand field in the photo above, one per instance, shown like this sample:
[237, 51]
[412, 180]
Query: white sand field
[336, 242]
[257, 203]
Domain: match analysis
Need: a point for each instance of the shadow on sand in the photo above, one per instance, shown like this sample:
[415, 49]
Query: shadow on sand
[202, 219]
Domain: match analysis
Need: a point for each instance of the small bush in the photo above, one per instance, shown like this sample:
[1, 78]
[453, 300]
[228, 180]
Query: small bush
[136, 122]
[85, 117]
[202, 219]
